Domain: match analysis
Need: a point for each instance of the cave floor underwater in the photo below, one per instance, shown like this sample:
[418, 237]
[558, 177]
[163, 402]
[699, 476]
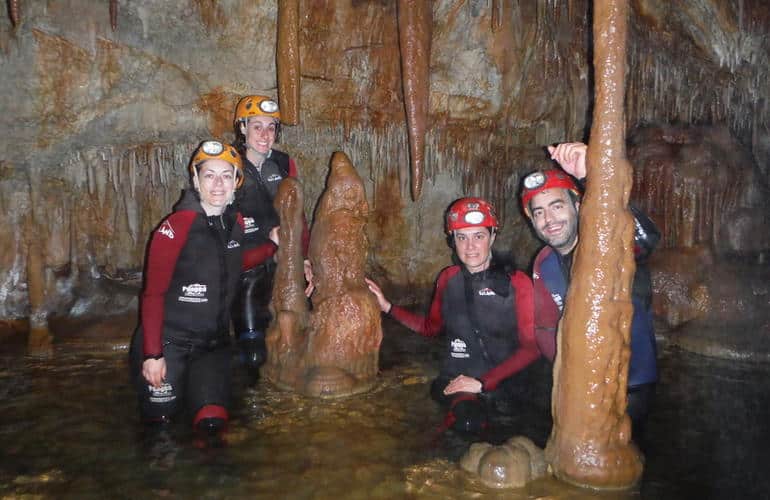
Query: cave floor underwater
[69, 428]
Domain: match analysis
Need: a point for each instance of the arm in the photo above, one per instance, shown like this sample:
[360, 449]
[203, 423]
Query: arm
[571, 157]
[165, 246]
[527, 352]
[427, 326]
[259, 254]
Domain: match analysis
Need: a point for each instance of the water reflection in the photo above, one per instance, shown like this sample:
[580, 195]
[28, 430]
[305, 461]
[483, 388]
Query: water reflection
[69, 428]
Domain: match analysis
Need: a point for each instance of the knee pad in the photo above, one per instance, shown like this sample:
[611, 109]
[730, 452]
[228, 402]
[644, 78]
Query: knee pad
[211, 420]
[470, 416]
[253, 349]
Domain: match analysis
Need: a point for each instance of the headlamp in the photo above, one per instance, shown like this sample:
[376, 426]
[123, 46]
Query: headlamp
[268, 106]
[475, 217]
[212, 148]
[534, 180]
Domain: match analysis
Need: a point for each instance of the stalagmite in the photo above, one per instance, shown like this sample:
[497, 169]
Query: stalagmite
[40, 339]
[338, 353]
[286, 336]
[287, 60]
[590, 440]
[414, 37]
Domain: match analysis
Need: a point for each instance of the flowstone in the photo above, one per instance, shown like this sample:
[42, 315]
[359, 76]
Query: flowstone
[333, 351]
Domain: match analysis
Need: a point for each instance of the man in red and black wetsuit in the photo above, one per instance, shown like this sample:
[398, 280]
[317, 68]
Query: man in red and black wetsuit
[486, 312]
[257, 126]
[180, 354]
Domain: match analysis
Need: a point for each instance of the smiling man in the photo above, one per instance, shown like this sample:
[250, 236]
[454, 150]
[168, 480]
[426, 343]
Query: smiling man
[551, 200]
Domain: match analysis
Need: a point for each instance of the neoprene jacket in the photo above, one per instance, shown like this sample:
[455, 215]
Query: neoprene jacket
[488, 320]
[191, 275]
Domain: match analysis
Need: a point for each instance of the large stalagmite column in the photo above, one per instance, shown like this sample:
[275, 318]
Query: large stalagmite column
[590, 440]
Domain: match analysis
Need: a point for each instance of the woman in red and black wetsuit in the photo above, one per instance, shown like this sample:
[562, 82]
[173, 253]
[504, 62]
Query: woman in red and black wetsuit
[180, 354]
[486, 311]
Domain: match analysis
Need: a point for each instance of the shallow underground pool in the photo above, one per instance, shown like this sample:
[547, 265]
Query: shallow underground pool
[69, 429]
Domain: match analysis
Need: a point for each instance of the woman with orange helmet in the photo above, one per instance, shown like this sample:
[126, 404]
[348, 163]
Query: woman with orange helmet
[257, 127]
[180, 354]
[486, 310]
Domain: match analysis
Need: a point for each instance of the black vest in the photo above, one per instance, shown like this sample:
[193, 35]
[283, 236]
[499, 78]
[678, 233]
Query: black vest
[203, 286]
[255, 197]
[479, 313]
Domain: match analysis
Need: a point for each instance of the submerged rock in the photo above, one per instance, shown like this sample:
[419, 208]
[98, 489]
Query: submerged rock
[510, 465]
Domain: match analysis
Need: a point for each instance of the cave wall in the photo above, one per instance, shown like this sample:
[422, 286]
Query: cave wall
[98, 125]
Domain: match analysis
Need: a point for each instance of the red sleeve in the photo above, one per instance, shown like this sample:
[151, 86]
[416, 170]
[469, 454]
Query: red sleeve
[433, 323]
[256, 255]
[165, 246]
[527, 352]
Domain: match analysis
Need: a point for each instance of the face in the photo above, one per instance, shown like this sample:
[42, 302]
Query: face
[555, 218]
[216, 184]
[260, 133]
[474, 247]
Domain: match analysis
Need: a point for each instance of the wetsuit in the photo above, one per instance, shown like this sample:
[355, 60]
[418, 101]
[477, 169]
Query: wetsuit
[251, 314]
[191, 276]
[551, 275]
[489, 326]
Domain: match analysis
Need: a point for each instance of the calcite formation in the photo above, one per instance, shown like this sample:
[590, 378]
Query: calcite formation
[287, 60]
[338, 353]
[510, 465]
[590, 443]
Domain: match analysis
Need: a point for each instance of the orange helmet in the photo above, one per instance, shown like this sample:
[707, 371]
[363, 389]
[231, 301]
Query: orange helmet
[470, 212]
[216, 150]
[256, 105]
[540, 180]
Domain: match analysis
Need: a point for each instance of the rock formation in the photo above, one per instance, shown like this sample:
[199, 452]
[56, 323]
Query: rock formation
[338, 353]
[510, 465]
[590, 443]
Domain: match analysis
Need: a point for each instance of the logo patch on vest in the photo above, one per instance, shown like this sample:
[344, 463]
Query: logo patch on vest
[233, 244]
[459, 349]
[274, 178]
[249, 225]
[194, 292]
[162, 394]
[486, 292]
[166, 230]
[559, 301]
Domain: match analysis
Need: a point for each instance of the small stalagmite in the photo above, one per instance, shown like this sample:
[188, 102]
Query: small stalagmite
[286, 337]
[590, 440]
[337, 353]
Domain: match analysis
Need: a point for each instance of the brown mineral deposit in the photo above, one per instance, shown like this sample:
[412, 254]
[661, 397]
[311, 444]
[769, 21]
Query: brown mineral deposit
[415, 25]
[288, 61]
[286, 336]
[336, 353]
[590, 440]
[345, 331]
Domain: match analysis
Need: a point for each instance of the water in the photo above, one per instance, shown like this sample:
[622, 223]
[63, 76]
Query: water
[69, 429]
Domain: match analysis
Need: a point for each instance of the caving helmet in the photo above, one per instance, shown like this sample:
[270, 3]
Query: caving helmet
[256, 105]
[540, 180]
[217, 150]
[470, 212]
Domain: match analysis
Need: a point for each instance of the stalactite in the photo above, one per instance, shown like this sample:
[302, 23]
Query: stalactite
[13, 10]
[288, 61]
[114, 14]
[415, 26]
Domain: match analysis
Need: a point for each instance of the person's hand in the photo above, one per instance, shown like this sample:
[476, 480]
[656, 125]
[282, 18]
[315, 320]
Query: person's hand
[308, 268]
[571, 156]
[274, 235]
[154, 371]
[463, 383]
[385, 305]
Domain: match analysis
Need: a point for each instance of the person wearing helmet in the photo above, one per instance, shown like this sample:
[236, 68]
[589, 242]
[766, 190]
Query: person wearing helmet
[486, 310]
[180, 353]
[551, 201]
[257, 126]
